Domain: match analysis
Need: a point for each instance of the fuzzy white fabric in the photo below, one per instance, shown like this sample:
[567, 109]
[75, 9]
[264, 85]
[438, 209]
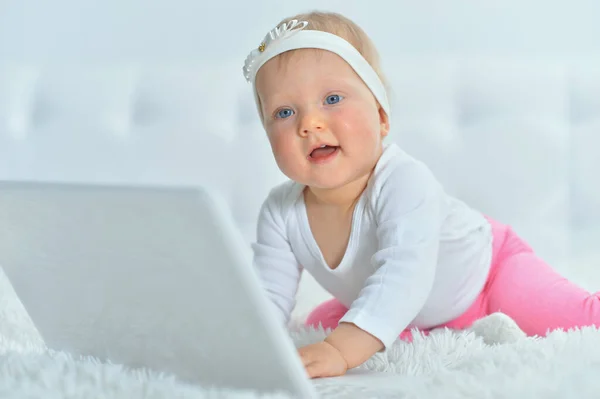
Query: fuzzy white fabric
[492, 360]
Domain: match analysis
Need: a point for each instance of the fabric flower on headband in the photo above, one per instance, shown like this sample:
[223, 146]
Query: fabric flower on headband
[276, 34]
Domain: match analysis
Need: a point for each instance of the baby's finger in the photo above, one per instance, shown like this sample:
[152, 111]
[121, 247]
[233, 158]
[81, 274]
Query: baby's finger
[305, 356]
[314, 369]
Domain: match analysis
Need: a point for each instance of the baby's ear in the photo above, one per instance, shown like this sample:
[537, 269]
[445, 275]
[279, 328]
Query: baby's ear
[384, 122]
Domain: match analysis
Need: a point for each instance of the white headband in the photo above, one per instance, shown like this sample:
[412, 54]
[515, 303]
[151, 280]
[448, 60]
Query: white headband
[291, 36]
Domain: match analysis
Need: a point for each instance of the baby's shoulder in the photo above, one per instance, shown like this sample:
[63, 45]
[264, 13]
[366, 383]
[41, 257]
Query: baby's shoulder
[399, 172]
[400, 184]
[284, 194]
[281, 198]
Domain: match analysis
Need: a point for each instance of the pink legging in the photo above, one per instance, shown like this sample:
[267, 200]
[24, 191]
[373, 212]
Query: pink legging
[520, 285]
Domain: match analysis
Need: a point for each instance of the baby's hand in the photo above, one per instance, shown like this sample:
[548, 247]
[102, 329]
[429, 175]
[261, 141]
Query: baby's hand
[322, 360]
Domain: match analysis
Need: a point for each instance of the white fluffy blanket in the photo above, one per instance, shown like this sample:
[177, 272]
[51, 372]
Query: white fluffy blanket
[493, 360]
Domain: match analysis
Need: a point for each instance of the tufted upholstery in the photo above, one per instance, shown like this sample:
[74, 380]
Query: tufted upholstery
[514, 138]
[514, 135]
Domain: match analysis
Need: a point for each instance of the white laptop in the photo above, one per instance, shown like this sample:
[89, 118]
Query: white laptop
[153, 277]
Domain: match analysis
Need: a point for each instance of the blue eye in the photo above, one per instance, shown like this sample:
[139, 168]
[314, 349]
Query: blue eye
[284, 113]
[333, 99]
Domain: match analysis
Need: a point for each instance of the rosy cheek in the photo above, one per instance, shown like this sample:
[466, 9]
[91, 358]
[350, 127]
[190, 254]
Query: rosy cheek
[350, 122]
[286, 156]
[282, 146]
[360, 123]
[286, 150]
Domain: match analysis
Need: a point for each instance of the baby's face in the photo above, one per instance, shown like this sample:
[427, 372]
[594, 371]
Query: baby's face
[313, 99]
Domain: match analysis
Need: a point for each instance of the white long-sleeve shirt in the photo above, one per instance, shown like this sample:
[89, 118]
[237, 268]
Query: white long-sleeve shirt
[416, 256]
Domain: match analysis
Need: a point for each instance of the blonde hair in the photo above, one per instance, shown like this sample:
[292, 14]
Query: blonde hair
[345, 28]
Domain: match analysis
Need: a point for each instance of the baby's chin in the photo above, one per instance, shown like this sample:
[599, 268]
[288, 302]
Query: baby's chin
[325, 178]
[327, 181]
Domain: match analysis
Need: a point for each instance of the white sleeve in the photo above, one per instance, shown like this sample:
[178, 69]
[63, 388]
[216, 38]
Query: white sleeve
[274, 261]
[409, 212]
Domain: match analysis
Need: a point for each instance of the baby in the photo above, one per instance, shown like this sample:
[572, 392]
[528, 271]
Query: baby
[370, 222]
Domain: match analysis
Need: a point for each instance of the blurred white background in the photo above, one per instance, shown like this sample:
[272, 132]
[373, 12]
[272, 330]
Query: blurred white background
[500, 98]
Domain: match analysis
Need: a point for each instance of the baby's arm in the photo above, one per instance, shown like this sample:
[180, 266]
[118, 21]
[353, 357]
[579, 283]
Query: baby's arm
[409, 213]
[354, 344]
[274, 261]
[346, 347]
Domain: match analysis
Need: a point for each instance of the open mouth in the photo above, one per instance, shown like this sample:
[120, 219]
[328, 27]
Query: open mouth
[323, 153]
